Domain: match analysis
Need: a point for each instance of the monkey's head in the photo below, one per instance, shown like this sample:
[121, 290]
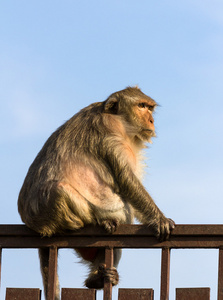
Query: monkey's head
[136, 109]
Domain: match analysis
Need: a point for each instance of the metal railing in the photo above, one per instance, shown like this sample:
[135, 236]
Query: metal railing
[126, 236]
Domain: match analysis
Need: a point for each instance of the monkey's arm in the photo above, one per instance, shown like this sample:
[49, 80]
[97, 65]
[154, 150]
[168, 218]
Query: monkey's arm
[131, 189]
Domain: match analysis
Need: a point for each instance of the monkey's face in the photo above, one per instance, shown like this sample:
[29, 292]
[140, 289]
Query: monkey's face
[143, 111]
[136, 109]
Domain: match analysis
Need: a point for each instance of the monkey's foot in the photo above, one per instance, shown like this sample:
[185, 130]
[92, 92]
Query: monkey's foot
[110, 225]
[96, 280]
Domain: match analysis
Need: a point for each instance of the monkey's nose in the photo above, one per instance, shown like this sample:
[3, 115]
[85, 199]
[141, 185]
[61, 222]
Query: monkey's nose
[151, 120]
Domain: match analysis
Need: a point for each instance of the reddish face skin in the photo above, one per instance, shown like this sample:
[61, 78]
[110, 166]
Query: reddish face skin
[144, 110]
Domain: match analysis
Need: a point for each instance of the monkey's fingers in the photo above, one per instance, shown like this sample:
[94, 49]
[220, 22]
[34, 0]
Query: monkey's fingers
[172, 224]
[111, 275]
[110, 225]
[166, 226]
[164, 233]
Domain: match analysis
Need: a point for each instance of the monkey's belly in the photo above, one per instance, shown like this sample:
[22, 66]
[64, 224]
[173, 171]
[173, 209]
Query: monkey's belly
[93, 189]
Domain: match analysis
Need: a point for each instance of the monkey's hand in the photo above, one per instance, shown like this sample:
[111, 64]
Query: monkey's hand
[163, 228]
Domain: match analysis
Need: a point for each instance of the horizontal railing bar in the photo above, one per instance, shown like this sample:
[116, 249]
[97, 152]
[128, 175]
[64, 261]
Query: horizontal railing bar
[127, 230]
[126, 236]
[110, 241]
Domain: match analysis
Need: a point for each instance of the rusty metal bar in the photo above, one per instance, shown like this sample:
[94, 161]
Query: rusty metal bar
[52, 275]
[193, 294]
[109, 257]
[22, 294]
[127, 230]
[165, 274]
[187, 242]
[135, 294]
[220, 274]
[127, 236]
[78, 294]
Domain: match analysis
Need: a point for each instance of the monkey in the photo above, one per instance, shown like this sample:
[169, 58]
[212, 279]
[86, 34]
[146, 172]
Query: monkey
[88, 172]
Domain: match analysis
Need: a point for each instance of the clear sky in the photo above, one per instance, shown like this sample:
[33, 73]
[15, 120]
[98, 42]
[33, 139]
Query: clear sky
[59, 56]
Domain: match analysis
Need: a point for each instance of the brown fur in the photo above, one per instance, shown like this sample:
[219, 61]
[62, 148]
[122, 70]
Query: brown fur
[88, 173]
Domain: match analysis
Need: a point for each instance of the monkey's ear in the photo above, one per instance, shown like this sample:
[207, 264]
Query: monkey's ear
[111, 105]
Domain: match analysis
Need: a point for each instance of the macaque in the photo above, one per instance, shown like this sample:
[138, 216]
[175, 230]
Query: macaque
[88, 172]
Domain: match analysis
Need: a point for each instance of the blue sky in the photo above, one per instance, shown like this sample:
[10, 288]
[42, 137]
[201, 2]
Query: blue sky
[59, 56]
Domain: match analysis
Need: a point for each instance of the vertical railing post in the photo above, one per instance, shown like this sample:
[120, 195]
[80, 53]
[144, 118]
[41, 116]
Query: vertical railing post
[165, 274]
[220, 274]
[109, 264]
[52, 275]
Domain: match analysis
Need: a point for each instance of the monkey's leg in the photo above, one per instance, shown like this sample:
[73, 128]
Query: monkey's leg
[99, 272]
[44, 265]
[110, 221]
[77, 210]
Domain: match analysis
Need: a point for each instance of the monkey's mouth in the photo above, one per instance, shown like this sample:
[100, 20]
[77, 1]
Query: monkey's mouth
[146, 135]
[149, 131]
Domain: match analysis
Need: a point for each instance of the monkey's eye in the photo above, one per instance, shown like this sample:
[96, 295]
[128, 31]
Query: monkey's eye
[142, 105]
[150, 107]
